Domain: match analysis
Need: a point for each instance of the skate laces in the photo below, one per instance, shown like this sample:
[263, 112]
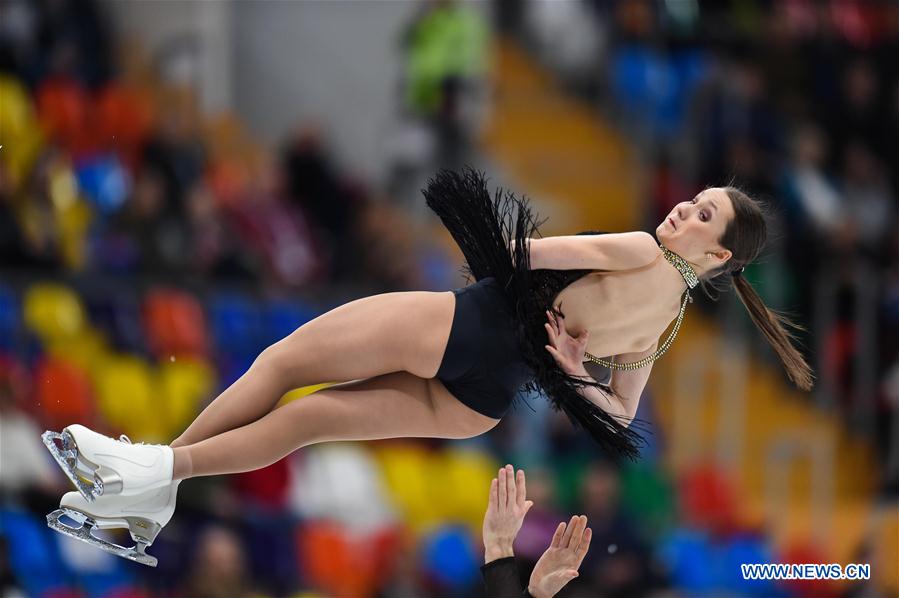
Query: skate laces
[124, 438]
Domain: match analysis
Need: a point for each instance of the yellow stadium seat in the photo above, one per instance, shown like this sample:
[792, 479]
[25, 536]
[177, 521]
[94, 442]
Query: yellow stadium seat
[128, 399]
[184, 386]
[53, 311]
[87, 348]
[20, 132]
[459, 483]
[404, 466]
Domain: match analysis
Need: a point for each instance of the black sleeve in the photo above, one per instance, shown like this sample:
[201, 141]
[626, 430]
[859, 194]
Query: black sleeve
[501, 579]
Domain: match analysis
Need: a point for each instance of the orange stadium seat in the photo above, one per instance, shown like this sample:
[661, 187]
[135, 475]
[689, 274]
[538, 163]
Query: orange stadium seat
[64, 111]
[62, 393]
[174, 323]
[343, 564]
[124, 119]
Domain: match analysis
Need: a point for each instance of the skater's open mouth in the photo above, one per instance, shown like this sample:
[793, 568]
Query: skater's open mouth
[674, 226]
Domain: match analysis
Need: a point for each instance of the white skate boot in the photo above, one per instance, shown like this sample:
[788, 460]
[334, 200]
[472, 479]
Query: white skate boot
[99, 465]
[143, 515]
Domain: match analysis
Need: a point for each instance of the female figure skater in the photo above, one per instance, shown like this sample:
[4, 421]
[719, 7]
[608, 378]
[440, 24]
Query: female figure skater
[448, 364]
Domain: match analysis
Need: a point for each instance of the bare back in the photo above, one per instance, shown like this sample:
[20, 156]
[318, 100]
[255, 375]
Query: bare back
[626, 311]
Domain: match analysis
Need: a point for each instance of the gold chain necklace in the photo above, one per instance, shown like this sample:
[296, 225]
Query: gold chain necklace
[692, 280]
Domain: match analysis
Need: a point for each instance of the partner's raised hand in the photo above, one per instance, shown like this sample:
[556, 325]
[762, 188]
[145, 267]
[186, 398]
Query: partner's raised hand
[560, 562]
[506, 507]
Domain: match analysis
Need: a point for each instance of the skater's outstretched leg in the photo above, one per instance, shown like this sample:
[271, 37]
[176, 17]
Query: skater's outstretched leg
[394, 405]
[367, 337]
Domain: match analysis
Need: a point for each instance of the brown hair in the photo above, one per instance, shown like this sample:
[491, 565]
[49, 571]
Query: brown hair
[745, 237]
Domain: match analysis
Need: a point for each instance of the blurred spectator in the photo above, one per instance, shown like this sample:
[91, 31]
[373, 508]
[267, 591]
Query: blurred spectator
[26, 474]
[313, 184]
[538, 528]
[42, 38]
[620, 563]
[144, 237]
[870, 206]
[857, 114]
[215, 250]
[219, 568]
[446, 57]
[389, 259]
[175, 152]
[14, 249]
[737, 124]
[9, 587]
[283, 236]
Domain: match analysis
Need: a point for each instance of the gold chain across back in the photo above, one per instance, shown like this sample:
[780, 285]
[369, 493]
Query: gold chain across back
[692, 280]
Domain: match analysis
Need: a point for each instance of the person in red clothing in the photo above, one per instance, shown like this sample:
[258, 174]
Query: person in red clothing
[506, 508]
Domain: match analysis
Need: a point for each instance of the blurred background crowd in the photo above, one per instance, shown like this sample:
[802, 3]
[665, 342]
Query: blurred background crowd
[183, 184]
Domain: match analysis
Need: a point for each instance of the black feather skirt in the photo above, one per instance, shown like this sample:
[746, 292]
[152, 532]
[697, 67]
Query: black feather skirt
[484, 227]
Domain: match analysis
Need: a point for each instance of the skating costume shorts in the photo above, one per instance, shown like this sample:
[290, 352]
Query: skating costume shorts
[482, 365]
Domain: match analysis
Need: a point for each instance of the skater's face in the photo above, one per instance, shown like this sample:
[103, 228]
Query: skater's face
[693, 227]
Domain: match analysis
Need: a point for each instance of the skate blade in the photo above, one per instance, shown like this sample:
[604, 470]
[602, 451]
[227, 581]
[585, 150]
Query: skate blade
[67, 458]
[137, 553]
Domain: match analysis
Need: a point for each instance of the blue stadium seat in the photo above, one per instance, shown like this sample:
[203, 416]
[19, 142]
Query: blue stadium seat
[236, 325]
[32, 555]
[283, 317]
[10, 319]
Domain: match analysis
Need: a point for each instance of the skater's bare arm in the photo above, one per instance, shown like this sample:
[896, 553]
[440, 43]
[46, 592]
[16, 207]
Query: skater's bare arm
[612, 251]
[626, 385]
[609, 402]
[629, 384]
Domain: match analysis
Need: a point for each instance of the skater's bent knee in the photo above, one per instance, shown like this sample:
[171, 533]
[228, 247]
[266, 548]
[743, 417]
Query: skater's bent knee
[276, 363]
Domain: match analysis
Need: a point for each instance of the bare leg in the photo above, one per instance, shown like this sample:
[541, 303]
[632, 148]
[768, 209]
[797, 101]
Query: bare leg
[393, 405]
[389, 332]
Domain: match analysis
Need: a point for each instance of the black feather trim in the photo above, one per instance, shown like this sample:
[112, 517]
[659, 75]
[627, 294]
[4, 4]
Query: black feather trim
[484, 227]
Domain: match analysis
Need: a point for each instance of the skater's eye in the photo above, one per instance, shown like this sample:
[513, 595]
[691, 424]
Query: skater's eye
[703, 215]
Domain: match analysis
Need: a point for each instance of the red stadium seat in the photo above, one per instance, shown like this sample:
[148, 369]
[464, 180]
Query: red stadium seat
[805, 551]
[268, 486]
[708, 499]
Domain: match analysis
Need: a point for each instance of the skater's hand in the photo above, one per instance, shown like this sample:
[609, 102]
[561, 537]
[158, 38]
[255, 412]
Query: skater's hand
[560, 562]
[567, 350]
[506, 509]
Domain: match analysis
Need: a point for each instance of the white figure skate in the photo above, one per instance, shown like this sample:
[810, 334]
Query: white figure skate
[99, 465]
[143, 515]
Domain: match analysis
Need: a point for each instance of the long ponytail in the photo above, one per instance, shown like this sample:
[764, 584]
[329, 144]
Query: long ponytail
[745, 236]
[773, 326]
